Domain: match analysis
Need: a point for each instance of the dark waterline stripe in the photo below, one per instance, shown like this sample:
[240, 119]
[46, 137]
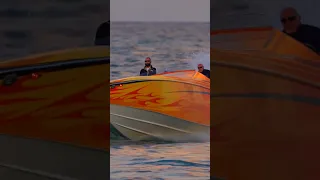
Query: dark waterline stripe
[197, 92]
[266, 72]
[294, 98]
[137, 81]
[53, 66]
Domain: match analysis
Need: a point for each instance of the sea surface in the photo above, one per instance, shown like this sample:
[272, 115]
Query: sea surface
[171, 46]
[28, 28]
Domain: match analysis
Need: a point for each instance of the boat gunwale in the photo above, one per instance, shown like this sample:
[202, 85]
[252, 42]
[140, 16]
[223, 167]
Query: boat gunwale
[55, 52]
[52, 66]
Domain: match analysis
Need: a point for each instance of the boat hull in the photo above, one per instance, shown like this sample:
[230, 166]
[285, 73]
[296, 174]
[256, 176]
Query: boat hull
[53, 115]
[266, 106]
[37, 159]
[138, 124]
[161, 107]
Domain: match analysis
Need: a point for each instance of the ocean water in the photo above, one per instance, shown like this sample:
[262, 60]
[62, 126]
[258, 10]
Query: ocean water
[171, 46]
[45, 25]
[159, 161]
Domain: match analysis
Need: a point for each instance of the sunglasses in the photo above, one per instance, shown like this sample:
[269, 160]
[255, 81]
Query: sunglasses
[291, 18]
[147, 61]
[200, 67]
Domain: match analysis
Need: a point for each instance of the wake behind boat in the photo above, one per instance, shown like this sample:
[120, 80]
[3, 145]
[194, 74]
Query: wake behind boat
[265, 105]
[171, 106]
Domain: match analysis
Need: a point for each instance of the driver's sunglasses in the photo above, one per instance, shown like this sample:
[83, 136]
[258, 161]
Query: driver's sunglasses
[200, 67]
[291, 18]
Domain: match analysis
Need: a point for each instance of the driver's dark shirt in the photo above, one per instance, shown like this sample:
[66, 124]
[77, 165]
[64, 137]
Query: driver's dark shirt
[308, 35]
[206, 72]
[152, 71]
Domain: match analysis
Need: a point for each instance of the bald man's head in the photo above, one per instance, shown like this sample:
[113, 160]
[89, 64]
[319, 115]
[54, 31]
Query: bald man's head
[290, 19]
[200, 67]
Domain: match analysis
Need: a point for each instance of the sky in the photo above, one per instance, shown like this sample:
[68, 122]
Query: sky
[160, 10]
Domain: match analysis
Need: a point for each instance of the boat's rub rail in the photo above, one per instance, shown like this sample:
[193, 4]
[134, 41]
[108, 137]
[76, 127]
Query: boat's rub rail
[188, 77]
[193, 82]
[56, 56]
[279, 67]
[181, 75]
[51, 66]
[265, 40]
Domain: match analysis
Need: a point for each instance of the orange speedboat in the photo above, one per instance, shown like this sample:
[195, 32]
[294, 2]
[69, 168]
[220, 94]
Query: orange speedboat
[172, 106]
[54, 105]
[265, 102]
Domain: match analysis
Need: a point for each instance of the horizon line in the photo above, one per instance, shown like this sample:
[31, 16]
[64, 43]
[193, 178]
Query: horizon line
[162, 21]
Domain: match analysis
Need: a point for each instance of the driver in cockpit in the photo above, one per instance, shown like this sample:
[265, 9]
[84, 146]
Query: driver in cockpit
[306, 34]
[103, 35]
[148, 69]
[204, 71]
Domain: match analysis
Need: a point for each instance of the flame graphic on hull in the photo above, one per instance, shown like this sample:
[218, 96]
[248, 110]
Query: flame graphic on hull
[67, 103]
[166, 95]
[172, 106]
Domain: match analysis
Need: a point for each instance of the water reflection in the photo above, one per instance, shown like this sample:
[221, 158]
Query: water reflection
[155, 160]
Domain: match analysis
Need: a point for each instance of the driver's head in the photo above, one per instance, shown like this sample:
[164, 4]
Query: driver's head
[103, 34]
[147, 62]
[200, 67]
[290, 19]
